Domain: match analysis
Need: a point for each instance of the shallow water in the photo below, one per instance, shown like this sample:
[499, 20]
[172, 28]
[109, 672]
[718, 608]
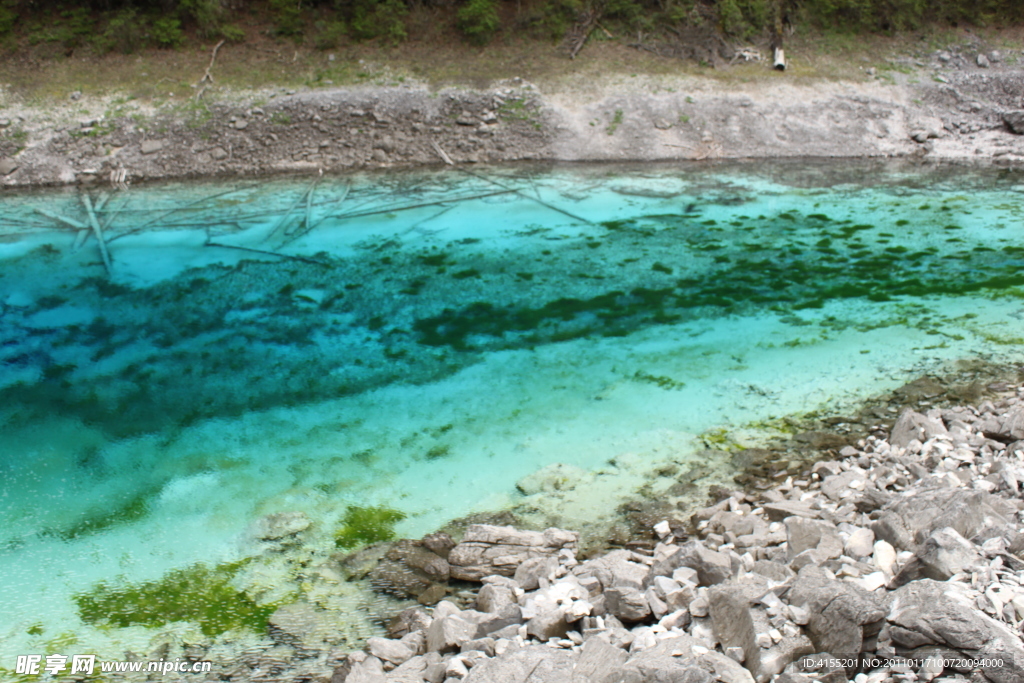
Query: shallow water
[424, 340]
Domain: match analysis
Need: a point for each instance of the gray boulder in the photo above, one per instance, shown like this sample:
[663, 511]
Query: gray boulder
[1014, 120]
[928, 612]
[529, 574]
[841, 616]
[494, 597]
[548, 624]
[812, 534]
[733, 624]
[711, 566]
[617, 568]
[1011, 427]
[597, 658]
[789, 508]
[370, 670]
[536, 663]
[672, 661]
[447, 634]
[394, 651]
[488, 549]
[913, 425]
[975, 515]
[946, 553]
[627, 603]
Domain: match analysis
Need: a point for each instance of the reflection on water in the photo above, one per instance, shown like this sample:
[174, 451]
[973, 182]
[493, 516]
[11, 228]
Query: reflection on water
[425, 340]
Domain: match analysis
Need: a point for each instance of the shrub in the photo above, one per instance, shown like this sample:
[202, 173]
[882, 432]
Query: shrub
[379, 19]
[208, 15]
[329, 34]
[125, 33]
[232, 33]
[166, 32]
[478, 19]
[367, 525]
[8, 17]
[287, 18]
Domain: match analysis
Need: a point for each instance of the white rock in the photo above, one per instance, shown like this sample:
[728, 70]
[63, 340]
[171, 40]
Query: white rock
[860, 544]
[763, 640]
[662, 528]
[884, 557]
[872, 581]
[799, 615]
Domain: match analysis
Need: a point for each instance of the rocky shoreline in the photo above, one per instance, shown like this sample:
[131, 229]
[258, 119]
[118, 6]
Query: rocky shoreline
[942, 106]
[900, 561]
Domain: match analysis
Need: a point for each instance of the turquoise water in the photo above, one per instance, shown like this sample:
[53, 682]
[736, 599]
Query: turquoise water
[424, 340]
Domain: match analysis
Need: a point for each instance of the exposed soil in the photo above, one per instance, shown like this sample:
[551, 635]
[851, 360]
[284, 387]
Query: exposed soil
[963, 102]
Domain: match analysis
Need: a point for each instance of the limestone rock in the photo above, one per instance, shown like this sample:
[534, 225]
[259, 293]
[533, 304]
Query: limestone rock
[394, 651]
[617, 568]
[552, 478]
[779, 511]
[927, 612]
[538, 663]
[946, 553]
[812, 534]
[712, 566]
[841, 616]
[486, 549]
[913, 425]
[152, 146]
[597, 658]
[1011, 427]
[370, 670]
[548, 624]
[861, 543]
[280, 525]
[975, 515]
[1014, 120]
[733, 624]
[448, 633]
[408, 621]
[8, 166]
[627, 603]
[530, 573]
[493, 598]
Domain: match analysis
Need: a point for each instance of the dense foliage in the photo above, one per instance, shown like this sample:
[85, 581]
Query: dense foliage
[128, 25]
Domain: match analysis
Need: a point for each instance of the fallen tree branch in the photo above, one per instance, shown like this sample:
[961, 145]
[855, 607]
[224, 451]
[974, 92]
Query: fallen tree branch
[441, 153]
[207, 77]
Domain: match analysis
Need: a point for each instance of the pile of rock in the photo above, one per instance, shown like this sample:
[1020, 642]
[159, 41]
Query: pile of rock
[905, 550]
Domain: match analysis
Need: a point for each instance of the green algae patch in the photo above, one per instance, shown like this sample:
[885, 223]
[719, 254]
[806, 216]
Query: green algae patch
[367, 525]
[199, 594]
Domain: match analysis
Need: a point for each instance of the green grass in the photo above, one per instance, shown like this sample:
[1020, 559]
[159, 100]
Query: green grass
[615, 123]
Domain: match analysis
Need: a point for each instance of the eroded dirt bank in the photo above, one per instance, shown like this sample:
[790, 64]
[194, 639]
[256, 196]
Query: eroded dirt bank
[937, 111]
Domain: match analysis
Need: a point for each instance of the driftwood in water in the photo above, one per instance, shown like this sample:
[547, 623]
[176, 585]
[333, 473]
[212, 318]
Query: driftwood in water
[526, 196]
[291, 257]
[97, 231]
